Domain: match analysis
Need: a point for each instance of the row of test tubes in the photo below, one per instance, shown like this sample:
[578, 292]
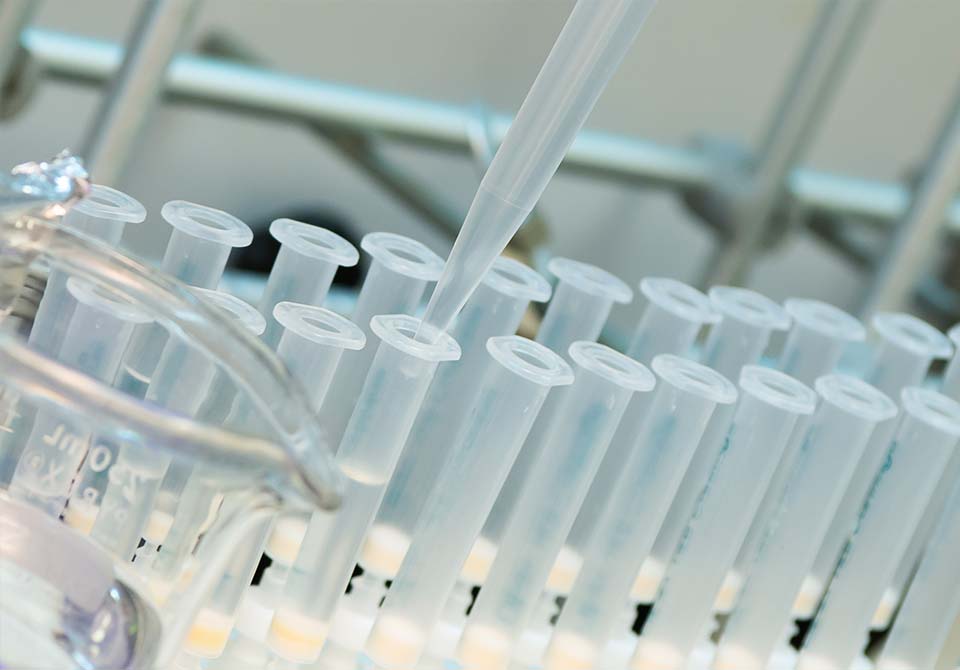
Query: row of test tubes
[510, 502]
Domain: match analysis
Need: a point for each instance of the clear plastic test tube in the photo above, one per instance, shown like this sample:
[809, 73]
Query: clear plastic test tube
[99, 331]
[770, 405]
[400, 269]
[311, 346]
[819, 334]
[674, 316]
[495, 309]
[303, 271]
[905, 348]
[103, 214]
[743, 333]
[581, 303]
[933, 602]
[584, 425]
[951, 378]
[686, 395]
[927, 435]
[519, 374]
[777, 564]
[391, 396]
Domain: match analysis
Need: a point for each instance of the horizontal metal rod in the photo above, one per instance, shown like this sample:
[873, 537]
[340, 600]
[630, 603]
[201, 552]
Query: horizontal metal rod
[251, 88]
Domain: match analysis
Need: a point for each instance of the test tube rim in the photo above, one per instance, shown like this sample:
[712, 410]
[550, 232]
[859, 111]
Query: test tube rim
[932, 408]
[296, 318]
[314, 242]
[922, 338]
[119, 206]
[188, 218]
[679, 299]
[777, 389]
[617, 368]
[108, 300]
[248, 317]
[513, 352]
[692, 377]
[590, 279]
[383, 247]
[762, 312]
[826, 319]
[855, 396]
[400, 332]
[517, 280]
[954, 335]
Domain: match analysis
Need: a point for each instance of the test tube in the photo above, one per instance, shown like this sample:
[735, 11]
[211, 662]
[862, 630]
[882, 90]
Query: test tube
[518, 376]
[585, 422]
[311, 346]
[925, 439]
[819, 334]
[770, 404]
[391, 396]
[400, 269]
[779, 561]
[196, 254]
[951, 378]
[129, 504]
[103, 214]
[674, 315]
[746, 323]
[303, 271]
[495, 309]
[905, 349]
[100, 328]
[743, 333]
[581, 303]
[687, 394]
[933, 602]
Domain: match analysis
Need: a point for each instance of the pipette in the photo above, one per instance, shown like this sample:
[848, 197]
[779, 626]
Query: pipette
[686, 395]
[495, 309]
[400, 269]
[746, 323]
[103, 214]
[303, 271]
[926, 437]
[572, 450]
[951, 378]
[100, 328]
[933, 601]
[906, 347]
[518, 375]
[391, 396]
[817, 339]
[196, 254]
[594, 40]
[778, 562]
[674, 315]
[769, 406]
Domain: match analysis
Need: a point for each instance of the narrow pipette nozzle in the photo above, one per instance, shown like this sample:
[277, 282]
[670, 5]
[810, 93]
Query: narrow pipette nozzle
[586, 54]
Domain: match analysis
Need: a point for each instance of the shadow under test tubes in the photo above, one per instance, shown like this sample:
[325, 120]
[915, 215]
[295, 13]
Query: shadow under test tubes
[687, 393]
[400, 269]
[517, 378]
[777, 562]
[740, 338]
[927, 434]
[495, 309]
[386, 408]
[586, 420]
[769, 406]
[303, 271]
